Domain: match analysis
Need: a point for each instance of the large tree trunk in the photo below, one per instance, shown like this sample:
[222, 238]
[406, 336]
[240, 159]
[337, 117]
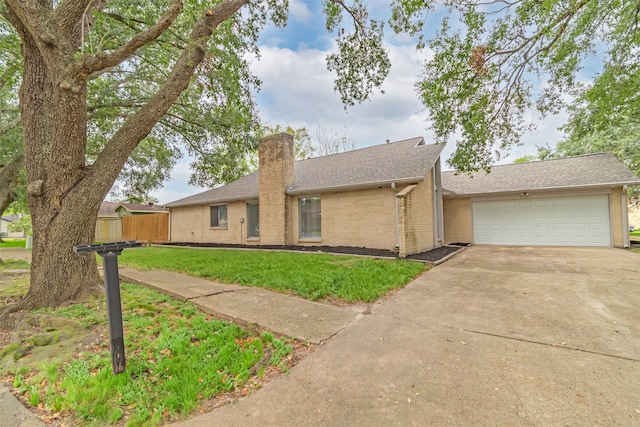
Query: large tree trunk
[64, 193]
[63, 209]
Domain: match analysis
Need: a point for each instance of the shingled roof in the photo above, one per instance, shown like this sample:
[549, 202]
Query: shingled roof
[591, 170]
[402, 162]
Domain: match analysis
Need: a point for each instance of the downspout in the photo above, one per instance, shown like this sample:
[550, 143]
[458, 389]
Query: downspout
[395, 199]
[625, 217]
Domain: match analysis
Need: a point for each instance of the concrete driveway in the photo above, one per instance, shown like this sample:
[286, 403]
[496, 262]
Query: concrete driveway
[494, 336]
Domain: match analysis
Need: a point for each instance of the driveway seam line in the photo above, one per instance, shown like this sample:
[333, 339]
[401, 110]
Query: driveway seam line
[548, 344]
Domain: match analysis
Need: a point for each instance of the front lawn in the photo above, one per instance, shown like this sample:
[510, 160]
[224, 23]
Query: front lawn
[635, 233]
[313, 276]
[179, 361]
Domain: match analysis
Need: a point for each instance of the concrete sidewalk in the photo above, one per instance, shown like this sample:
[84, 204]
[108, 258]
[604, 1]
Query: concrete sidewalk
[254, 307]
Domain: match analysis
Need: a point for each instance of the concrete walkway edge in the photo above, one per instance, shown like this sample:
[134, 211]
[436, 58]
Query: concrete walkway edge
[253, 307]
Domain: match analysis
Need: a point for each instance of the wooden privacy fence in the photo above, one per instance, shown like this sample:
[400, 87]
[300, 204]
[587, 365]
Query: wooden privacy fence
[108, 230]
[151, 227]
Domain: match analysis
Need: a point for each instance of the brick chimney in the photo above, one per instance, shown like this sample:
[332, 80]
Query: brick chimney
[275, 174]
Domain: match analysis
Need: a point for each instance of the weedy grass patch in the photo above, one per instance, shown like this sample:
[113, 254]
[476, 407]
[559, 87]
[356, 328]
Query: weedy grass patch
[14, 264]
[312, 276]
[177, 358]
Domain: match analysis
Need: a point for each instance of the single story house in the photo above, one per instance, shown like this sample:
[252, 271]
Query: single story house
[107, 210]
[394, 196]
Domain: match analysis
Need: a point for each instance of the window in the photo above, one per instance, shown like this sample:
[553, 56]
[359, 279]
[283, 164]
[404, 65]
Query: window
[219, 216]
[253, 216]
[310, 218]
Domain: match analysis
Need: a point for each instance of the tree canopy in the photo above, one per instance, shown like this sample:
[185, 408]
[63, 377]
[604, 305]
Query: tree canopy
[504, 59]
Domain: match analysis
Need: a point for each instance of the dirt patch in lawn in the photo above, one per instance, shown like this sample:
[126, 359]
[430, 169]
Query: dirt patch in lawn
[433, 255]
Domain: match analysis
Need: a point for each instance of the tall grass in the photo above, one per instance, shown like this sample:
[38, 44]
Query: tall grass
[310, 275]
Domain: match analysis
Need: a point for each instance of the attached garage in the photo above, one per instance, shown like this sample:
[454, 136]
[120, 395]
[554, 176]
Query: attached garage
[575, 201]
[565, 221]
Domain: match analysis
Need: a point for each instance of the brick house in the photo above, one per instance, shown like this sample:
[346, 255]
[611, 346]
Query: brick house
[387, 196]
[394, 196]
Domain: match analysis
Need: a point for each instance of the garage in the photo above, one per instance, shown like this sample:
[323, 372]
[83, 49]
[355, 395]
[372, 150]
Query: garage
[565, 221]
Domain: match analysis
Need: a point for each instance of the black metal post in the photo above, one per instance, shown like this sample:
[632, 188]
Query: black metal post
[109, 253]
[114, 310]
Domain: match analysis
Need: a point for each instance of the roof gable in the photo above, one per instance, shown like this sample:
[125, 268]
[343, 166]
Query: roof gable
[590, 170]
[404, 161]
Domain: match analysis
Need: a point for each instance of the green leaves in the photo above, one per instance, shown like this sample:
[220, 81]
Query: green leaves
[362, 61]
[501, 60]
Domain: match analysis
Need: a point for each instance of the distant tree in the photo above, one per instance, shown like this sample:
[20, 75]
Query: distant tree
[623, 141]
[330, 142]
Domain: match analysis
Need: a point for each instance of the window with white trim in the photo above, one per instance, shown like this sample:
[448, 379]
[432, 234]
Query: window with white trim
[218, 216]
[310, 213]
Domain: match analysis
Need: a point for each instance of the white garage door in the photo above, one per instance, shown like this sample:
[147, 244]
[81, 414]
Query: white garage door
[569, 221]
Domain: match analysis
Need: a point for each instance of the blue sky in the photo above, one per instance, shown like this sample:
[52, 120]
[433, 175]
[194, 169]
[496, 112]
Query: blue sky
[297, 91]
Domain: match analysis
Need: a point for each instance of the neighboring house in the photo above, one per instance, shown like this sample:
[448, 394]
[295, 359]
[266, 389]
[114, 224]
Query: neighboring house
[394, 196]
[4, 227]
[107, 210]
[125, 209]
[131, 221]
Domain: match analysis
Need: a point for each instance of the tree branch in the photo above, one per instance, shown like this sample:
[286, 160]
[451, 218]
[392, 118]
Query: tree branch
[94, 63]
[138, 125]
[71, 14]
[27, 17]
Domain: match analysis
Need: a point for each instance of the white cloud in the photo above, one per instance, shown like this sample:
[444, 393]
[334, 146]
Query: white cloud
[297, 90]
[299, 12]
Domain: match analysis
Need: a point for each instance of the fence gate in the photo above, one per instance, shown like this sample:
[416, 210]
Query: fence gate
[151, 227]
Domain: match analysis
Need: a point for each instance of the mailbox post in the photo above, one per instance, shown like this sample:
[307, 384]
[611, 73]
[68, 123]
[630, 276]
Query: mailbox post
[109, 253]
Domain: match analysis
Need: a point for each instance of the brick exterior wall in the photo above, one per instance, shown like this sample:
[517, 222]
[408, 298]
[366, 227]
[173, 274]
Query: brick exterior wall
[416, 217]
[192, 224]
[458, 221]
[275, 175]
[617, 227]
[364, 218]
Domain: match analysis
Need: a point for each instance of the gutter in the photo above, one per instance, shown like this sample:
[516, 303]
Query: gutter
[338, 188]
[625, 217]
[562, 187]
[395, 199]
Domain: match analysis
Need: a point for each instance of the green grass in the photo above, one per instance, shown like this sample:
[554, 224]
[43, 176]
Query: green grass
[635, 233]
[177, 357]
[310, 275]
[12, 243]
[14, 264]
